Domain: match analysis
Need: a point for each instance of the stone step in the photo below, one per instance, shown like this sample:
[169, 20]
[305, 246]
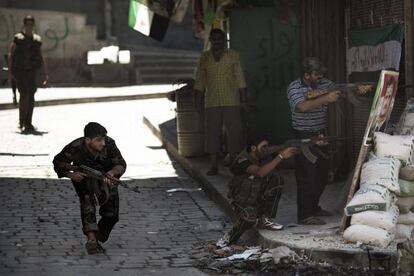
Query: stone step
[158, 61]
[162, 79]
[166, 53]
[167, 69]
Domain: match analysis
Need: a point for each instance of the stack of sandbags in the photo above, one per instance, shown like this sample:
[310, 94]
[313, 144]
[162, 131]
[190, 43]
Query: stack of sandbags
[405, 226]
[374, 213]
[398, 146]
[402, 147]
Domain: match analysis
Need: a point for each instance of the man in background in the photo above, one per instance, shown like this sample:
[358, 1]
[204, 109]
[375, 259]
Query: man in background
[220, 81]
[25, 58]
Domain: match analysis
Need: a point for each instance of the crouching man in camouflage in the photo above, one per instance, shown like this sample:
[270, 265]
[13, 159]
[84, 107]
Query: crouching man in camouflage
[99, 152]
[255, 189]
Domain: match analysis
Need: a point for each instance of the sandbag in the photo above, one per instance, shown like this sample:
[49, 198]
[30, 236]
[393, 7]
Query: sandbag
[368, 235]
[405, 204]
[383, 171]
[406, 218]
[369, 197]
[407, 173]
[406, 122]
[386, 220]
[398, 146]
[404, 232]
[406, 188]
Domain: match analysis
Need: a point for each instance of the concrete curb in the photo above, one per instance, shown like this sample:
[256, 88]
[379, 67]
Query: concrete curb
[346, 257]
[90, 100]
[208, 188]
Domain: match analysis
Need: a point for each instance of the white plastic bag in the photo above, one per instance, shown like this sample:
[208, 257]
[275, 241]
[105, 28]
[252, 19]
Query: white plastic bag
[404, 232]
[369, 197]
[368, 235]
[406, 123]
[398, 146]
[386, 220]
[383, 171]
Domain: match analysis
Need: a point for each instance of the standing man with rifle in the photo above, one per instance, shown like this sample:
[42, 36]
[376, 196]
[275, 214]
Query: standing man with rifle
[25, 58]
[81, 161]
[309, 120]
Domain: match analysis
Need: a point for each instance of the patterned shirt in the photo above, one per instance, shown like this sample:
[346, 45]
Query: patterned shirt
[221, 80]
[76, 153]
[314, 120]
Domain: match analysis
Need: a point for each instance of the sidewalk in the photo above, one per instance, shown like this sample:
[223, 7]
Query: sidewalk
[321, 243]
[72, 95]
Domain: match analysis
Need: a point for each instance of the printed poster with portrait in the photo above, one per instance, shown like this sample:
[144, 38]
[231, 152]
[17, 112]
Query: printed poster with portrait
[382, 104]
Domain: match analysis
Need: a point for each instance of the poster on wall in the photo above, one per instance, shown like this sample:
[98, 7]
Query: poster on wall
[382, 104]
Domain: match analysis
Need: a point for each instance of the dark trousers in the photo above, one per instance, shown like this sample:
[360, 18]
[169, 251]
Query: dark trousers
[230, 116]
[26, 84]
[311, 180]
[109, 211]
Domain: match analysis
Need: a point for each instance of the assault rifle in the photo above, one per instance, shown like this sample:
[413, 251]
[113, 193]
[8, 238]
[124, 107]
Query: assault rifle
[94, 187]
[304, 145]
[347, 90]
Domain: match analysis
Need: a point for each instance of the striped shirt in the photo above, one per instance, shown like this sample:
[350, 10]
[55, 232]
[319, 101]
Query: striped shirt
[314, 120]
[221, 80]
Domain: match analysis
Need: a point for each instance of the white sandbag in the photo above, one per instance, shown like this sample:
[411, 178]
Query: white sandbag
[404, 232]
[406, 188]
[369, 197]
[406, 123]
[383, 171]
[368, 235]
[407, 173]
[398, 146]
[386, 220]
[405, 204]
[406, 218]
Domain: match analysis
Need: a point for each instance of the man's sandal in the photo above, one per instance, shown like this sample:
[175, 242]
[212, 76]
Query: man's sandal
[312, 221]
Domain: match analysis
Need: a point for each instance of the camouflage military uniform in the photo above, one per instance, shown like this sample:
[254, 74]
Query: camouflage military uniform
[253, 197]
[77, 154]
[27, 59]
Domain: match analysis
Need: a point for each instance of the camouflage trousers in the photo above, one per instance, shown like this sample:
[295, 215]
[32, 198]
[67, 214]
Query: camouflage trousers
[265, 204]
[109, 211]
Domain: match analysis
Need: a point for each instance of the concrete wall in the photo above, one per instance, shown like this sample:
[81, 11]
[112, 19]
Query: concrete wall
[179, 36]
[64, 34]
[71, 28]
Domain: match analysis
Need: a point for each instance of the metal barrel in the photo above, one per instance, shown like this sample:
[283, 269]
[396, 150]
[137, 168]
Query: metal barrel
[190, 124]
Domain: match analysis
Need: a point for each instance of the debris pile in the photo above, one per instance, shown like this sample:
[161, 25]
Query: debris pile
[244, 260]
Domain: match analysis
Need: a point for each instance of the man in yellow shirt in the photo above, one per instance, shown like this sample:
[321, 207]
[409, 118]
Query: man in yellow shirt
[220, 80]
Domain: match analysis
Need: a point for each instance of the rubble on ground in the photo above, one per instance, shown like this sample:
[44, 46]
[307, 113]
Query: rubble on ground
[244, 260]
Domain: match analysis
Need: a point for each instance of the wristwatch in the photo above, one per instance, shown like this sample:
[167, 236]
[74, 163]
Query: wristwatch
[280, 156]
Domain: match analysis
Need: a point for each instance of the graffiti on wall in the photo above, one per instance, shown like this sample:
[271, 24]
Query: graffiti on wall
[51, 37]
[268, 42]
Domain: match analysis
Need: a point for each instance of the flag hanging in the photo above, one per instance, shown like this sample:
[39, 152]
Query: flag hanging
[374, 49]
[145, 21]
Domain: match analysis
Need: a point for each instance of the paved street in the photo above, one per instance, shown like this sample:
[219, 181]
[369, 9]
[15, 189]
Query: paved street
[40, 231]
